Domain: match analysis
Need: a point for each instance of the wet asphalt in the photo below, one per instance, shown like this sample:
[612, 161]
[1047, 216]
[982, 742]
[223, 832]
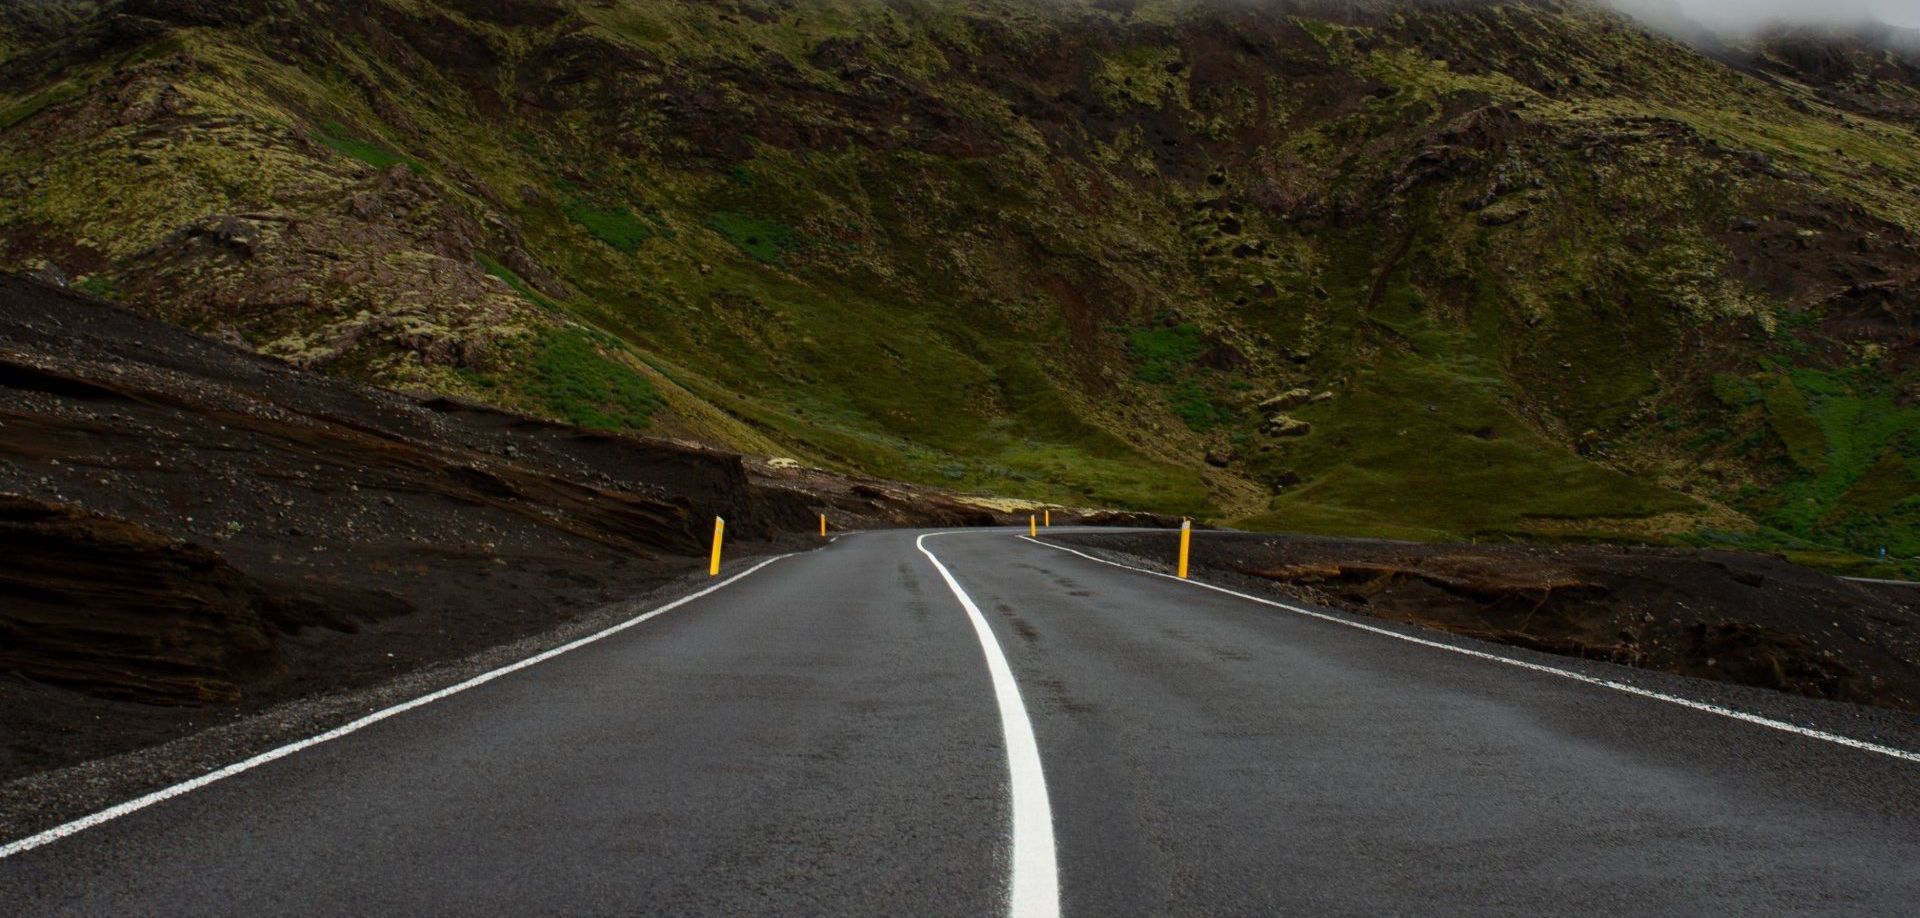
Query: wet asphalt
[821, 738]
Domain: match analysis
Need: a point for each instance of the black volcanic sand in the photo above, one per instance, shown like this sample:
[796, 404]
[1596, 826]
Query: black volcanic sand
[1742, 618]
[190, 532]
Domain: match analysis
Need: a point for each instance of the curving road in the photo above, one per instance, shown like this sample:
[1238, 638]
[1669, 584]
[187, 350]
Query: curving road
[992, 725]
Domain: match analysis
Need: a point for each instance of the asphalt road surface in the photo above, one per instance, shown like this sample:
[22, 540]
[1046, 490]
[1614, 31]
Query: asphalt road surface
[840, 732]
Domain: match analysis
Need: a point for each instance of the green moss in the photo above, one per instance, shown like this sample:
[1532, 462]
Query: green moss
[1195, 405]
[1735, 391]
[99, 285]
[763, 240]
[519, 285]
[338, 138]
[615, 226]
[582, 376]
[1163, 353]
[1149, 76]
[17, 112]
[1425, 447]
[1856, 451]
[1795, 425]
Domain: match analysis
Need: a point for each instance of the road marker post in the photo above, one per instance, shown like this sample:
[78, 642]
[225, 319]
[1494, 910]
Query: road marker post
[1186, 542]
[823, 525]
[1033, 529]
[719, 529]
[1049, 517]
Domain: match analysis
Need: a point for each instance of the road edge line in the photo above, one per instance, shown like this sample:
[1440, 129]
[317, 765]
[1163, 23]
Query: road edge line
[1034, 888]
[137, 804]
[1756, 719]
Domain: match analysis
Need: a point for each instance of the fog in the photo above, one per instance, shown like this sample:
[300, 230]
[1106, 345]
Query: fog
[1745, 15]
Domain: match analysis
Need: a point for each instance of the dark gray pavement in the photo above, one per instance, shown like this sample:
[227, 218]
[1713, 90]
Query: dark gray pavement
[821, 738]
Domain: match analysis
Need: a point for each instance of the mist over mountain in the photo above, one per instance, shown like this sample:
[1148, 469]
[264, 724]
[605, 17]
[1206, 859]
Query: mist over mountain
[1896, 21]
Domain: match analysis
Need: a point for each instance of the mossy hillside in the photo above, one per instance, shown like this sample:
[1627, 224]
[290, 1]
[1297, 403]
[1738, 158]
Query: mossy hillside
[1424, 440]
[924, 394]
[957, 385]
[1426, 448]
[927, 257]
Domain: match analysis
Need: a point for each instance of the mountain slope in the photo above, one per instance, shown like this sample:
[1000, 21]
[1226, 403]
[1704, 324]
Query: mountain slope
[1477, 269]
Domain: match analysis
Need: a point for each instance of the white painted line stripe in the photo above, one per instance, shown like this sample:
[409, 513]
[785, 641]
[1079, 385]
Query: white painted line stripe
[1883, 582]
[1767, 722]
[1035, 885]
[140, 803]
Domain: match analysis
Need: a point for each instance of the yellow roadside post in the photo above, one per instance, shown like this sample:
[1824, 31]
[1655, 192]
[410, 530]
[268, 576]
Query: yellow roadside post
[1186, 541]
[823, 525]
[719, 528]
[1033, 530]
[1049, 517]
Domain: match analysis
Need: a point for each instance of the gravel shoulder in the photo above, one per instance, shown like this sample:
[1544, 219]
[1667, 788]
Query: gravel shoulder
[1861, 638]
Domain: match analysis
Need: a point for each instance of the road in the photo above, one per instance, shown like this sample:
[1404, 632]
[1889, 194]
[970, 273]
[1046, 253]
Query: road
[828, 736]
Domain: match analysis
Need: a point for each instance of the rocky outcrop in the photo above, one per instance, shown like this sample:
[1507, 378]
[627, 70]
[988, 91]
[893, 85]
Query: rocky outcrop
[1282, 425]
[1278, 423]
[1285, 401]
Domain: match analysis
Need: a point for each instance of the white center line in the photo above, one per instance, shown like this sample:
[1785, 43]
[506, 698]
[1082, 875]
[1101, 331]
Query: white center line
[1035, 885]
[1709, 708]
[140, 803]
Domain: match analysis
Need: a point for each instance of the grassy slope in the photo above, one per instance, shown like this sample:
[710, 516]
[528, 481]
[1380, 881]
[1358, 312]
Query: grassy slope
[994, 270]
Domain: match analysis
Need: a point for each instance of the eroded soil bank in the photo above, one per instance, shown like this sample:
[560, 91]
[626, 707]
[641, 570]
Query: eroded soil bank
[1748, 619]
[190, 532]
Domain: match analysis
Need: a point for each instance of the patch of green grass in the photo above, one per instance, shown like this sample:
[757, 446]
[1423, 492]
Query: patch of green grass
[571, 372]
[1735, 391]
[1857, 452]
[1787, 413]
[36, 103]
[762, 240]
[615, 226]
[1424, 448]
[1107, 482]
[99, 285]
[1195, 405]
[1164, 352]
[519, 285]
[340, 139]
[1853, 565]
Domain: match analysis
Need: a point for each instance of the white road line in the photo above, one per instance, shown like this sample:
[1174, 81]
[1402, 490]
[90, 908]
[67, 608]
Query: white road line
[1036, 875]
[140, 803]
[1757, 719]
[1883, 582]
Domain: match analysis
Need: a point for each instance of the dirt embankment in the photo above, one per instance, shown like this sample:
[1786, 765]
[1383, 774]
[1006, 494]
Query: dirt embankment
[1742, 618]
[189, 532]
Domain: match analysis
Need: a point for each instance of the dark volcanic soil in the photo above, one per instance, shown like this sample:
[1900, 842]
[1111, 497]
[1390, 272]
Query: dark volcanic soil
[1741, 618]
[190, 532]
